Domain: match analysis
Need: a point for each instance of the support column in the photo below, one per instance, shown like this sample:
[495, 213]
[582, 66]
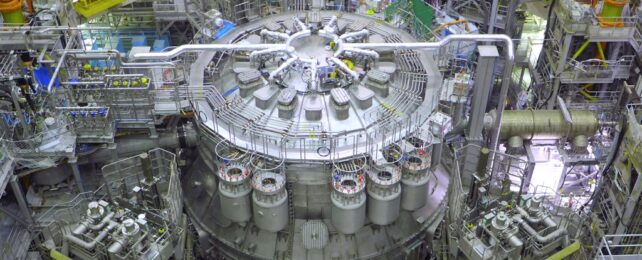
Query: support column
[493, 17]
[76, 172]
[20, 197]
[559, 67]
[484, 81]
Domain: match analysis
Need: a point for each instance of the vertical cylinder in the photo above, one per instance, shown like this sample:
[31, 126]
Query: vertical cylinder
[414, 181]
[384, 195]
[348, 202]
[270, 201]
[146, 163]
[12, 12]
[234, 188]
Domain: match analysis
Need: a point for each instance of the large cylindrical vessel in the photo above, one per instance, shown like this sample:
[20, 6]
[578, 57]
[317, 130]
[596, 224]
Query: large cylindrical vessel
[234, 187]
[384, 194]
[414, 181]
[348, 202]
[544, 124]
[270, 201]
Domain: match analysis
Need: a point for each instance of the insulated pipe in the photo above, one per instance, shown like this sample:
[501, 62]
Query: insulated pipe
[279, 35]
[329, 27]
[98, 54]
[514, 241]
[82, 227]
[313, 69]
[580, 180]
[297, 35]
[544, 124]
[328, 35]
[547, 219]
[301, 24]
[333, 21]
[132, 145]
[98, 238]
[541, 239]
[117, 246]
[372, 54]
[357, 34]
[284, 49]
[345, 68]
[204, 47]
[281, 68]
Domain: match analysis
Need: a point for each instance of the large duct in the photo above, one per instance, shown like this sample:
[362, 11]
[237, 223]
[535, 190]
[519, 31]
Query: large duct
[544, 124]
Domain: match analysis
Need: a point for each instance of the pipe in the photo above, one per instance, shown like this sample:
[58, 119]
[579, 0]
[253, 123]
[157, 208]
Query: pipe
[344, 67]
[204, 47]
[297, 35]
[330, 26]
[580, 180]
[299, 23]
[357, 34]
[544, 124]
[515, 242]
[98, 238]
[600, 52]
[313, 70]
[281, 68]
[448, 24]
[580, 49]
[547, 219]
[284, 49]
[117, 246]
[328, 35]
[82, 227]
[539, 238]
[132, 145]
[278, 35]
[54, 76]
[333, 21]
[371, 54]
[84, 54]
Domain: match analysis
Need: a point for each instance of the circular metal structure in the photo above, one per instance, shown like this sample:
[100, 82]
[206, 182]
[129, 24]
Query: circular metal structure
[315, 234]
[309, 87]
[310, 117]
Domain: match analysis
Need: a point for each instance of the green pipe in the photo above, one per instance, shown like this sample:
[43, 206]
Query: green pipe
[581, 49]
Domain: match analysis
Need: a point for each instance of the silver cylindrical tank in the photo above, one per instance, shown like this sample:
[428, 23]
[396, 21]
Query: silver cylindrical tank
[414, 180]
[384, 194]
[348, 202]
[234, 187]
[270, 201]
